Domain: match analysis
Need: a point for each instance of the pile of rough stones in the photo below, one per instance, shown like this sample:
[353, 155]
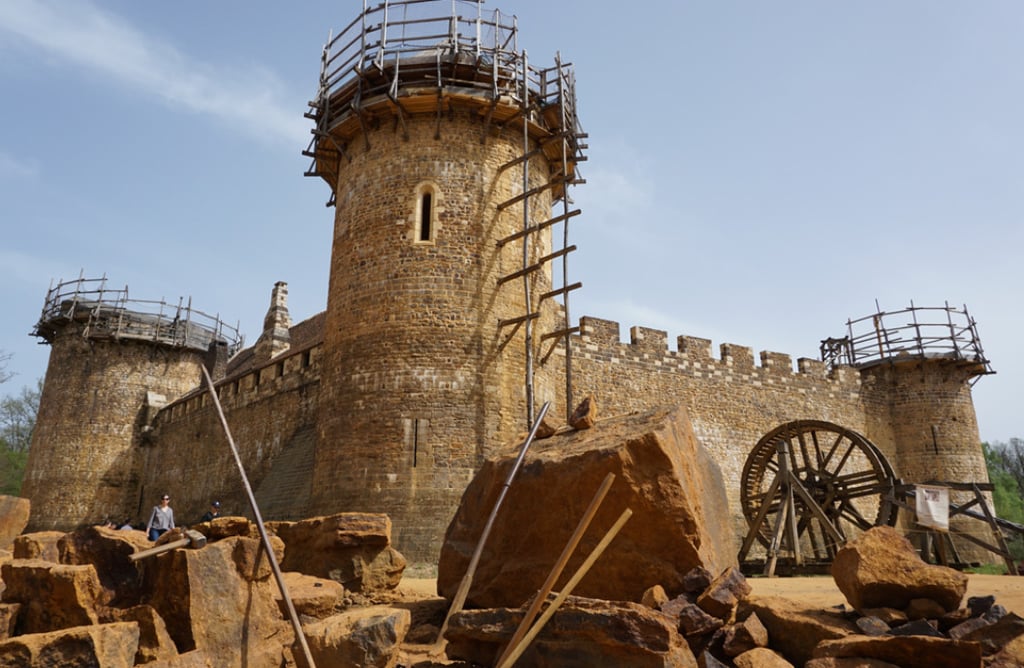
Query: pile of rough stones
[902, 613]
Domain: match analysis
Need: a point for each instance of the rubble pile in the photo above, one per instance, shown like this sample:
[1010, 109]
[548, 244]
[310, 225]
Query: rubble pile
[907, 615]
[82, 599]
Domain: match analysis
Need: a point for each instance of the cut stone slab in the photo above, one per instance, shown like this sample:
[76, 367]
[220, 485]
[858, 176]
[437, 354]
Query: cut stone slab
[359, 638]
[52, 596]
[351, 548]
[667, 479]
[207, 604]
[107, 645]
[906, 650]
[583, 633]
[14, 514]
[881, 569]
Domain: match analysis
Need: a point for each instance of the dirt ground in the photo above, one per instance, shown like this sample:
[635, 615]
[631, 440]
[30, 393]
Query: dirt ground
[820, 591]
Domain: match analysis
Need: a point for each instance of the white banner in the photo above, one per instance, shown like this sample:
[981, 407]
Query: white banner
[933, 507]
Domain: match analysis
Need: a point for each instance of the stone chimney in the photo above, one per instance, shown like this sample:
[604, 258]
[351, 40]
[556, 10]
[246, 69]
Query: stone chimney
[275, 338]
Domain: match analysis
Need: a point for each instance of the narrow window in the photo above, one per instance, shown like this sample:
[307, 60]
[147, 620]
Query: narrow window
[425, 209]
[305, 359]
[280, 369]
[415, 441]
[426, 215]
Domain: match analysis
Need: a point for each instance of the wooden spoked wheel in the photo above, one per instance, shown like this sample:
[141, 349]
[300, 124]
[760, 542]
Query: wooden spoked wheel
[814, 485]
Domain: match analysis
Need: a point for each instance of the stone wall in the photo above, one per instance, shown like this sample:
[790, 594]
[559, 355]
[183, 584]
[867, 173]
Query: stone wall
[271, 411]
[732, 401]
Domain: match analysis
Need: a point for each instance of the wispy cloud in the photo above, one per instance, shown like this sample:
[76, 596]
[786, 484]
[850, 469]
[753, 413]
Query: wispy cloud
[89, 37]
[12, 167]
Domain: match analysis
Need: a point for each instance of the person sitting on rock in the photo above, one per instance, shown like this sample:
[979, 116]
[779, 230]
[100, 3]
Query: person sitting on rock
[212, 513]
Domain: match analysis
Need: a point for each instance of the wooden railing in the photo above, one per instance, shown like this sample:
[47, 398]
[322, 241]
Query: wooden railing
[913, 333]
[110, 313]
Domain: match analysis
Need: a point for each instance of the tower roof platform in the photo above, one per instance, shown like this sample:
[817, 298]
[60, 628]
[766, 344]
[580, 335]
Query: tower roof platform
[109, 314]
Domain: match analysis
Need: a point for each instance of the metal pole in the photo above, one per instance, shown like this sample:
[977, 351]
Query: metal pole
[299, 635]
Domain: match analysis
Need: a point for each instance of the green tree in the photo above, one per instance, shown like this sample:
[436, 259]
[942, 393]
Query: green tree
[1005, 463]
[17, 420]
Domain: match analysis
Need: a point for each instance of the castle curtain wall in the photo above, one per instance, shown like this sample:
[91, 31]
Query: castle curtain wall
[272, 414]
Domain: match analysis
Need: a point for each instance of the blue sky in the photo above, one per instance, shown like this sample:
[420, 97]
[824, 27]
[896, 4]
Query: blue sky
[758, 174]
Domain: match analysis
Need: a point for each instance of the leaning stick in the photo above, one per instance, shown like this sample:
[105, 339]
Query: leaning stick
[564, 594]
[467, 579]
[296, 625]
[559, 566]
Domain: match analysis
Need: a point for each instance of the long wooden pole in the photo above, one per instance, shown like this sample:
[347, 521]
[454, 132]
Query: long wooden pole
[564, 594]
[467, 579]
[559, 566]
[267, 547]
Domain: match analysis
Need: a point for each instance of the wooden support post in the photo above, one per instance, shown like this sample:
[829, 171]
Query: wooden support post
[549, 584]
[564, 594]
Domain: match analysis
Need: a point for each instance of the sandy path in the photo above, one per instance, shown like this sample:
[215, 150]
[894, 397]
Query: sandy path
[814, 591]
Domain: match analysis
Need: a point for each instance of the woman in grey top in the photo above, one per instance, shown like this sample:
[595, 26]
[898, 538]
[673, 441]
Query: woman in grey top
[161, 519]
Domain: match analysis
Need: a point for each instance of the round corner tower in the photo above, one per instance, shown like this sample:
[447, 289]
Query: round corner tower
[917, 368]
[113, 363]
[446, 152]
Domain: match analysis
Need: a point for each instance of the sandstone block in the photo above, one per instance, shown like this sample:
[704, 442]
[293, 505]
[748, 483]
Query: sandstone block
[112, 645]
[52, 596]
[351, 548]
[583, 633]
[207, 604]
[745, 636]
[38, 545]
[670, 482]
[881, 569]
[724, 593]
[364, 637]
[761, 657]
[905, 650]
[155, 644]
[793, 629]
[14, 514]
[311, 596]
[109, 551]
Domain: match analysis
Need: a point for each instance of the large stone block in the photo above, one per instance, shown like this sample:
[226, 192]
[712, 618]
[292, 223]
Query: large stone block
[360, 638]
[663, 475]
[583, 633]
[105, 645]
[14, 514]
[109, 551]
[207, 604]
[881, 569]
[52, 596]
[351, 548]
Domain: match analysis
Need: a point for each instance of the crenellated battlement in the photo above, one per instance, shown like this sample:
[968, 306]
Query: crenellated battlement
[599, 339]
[282, 374]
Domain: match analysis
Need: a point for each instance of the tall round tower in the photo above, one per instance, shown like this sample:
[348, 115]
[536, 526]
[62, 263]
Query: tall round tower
[445, 151]
[113, 363]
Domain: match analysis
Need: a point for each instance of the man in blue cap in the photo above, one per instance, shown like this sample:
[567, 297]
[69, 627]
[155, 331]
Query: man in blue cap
[212, 513]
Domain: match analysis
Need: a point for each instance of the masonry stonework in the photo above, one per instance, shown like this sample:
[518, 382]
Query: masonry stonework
[428, 358]
[86, 458]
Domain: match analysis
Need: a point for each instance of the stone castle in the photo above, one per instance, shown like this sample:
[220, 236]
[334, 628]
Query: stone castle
[450, 159]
